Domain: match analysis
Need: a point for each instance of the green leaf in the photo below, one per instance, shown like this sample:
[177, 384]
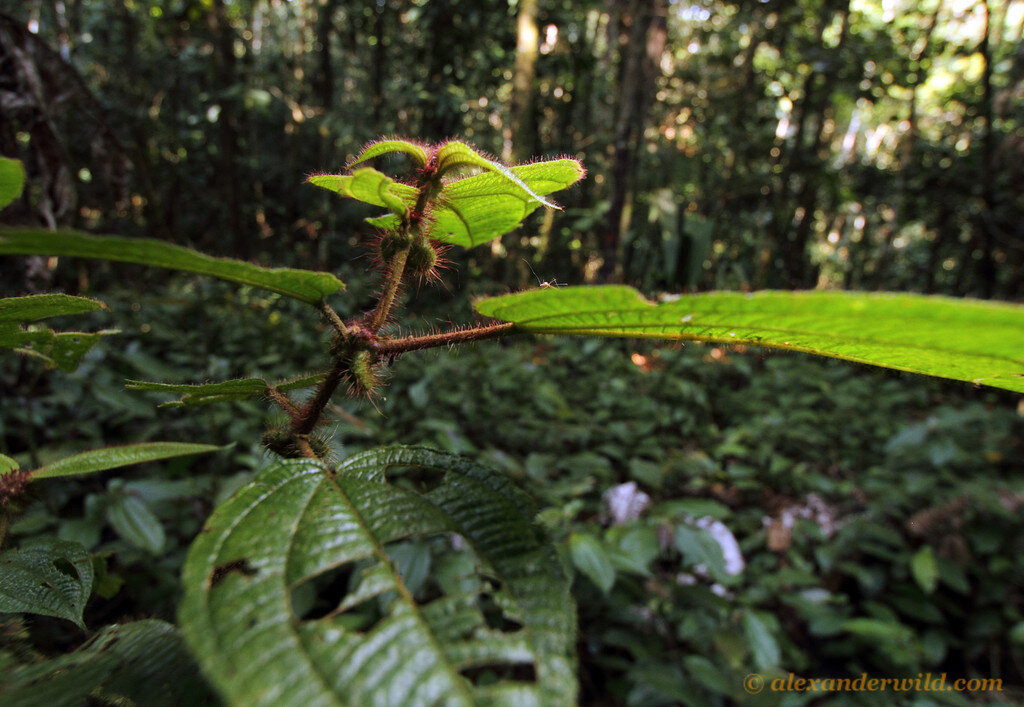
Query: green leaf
[61, 349]
[878, 629]
[701, 550]
[7, 464]
[131, 518]
[12, 180]
[371, 187]
[481, 208]
[207, 393]
[303, 285]
[455, 155]
[763, 646]
[117, 457]
[35, 307]
[53, 577]
[925, 569]
[298, 522]
[384, 147]
[968, 340]
[590, 558]
[143, 662]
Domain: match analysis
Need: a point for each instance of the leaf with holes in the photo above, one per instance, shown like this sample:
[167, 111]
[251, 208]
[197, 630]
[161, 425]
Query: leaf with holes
[63, 350]
[298, 529]
[143, 662]
[116, 457]
[303, 285]
[12, 180]
[968, 340]
[224, 391]
[53, 577]
[480, 208]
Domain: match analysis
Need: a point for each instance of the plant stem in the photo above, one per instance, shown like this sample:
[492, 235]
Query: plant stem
[283, 401]
[445, 338]
[391, 285]
[333, 319]
[304, 423]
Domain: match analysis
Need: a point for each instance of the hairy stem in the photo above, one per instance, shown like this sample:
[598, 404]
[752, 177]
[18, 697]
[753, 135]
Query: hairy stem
[304, 423]
[391, 285]
[445, 338]
[333, 319]
[283, 401]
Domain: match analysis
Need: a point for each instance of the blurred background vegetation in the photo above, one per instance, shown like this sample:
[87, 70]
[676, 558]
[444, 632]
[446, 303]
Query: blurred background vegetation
[730, 145]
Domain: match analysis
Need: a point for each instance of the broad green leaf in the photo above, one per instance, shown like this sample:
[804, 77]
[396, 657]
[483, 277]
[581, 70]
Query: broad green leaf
[455, 155]
[143, 662]
[384, 147]
[968, 340]
[380, 644]
[53, 577]
[35, 307]
[701, 550]
[371, 187]
[224, 391]
[131, 518]
[303, 285]
[590, 558]
[925, 569]
[116, 457]
[481, 208]
[12, 180]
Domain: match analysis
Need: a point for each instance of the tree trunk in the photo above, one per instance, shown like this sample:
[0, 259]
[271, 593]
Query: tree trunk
[521, 136]
[642, 38]
[228, 173]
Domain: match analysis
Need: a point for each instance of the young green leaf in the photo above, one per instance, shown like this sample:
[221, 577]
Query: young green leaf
[7, 464]
[371, 187]
[968, 340]
[143, 662]
[53, 577]
[379, 644]
[454, 155]
[224, 391]
[117, 457]
[303, 285]
[12, 180]
[925, 568]
[384, 147]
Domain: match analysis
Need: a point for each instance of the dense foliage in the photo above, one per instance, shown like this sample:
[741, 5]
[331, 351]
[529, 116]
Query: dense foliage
[622, 522]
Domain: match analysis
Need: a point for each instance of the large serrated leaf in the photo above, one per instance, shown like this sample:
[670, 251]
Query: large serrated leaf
[224, 391]
[303, 285]
[117, 457]
[12, 180]
[144, 662]
[968, 340]
[53, 577]
[297, 521]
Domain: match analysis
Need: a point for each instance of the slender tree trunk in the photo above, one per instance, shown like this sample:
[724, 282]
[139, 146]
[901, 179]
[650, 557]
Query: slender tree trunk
[642, 38]
[228, 177]
[325, 65]
[521, 136]
[986, 221]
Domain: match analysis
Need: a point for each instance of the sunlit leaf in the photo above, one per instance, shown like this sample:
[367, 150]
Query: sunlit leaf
[384, 147]
[116, 457]
[143, 662]
[369, 186]
[12, 180]
[925, 568]
[455, 155]
[7, 464]
[381, 644]
[224, 391]
[303, 285]
[53, 577]
[968, 340]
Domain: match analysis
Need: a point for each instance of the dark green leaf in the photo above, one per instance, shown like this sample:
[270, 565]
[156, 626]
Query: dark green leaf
[969, 340]
[763, 646]
[12, 180]
[61, 349]
[590, 558]
[701, 550]
[116, 457]
[144, 662]
[302, 285]
[206, 393]
[35, 307]
[131, 518]
[297, 521]
[53, 577]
